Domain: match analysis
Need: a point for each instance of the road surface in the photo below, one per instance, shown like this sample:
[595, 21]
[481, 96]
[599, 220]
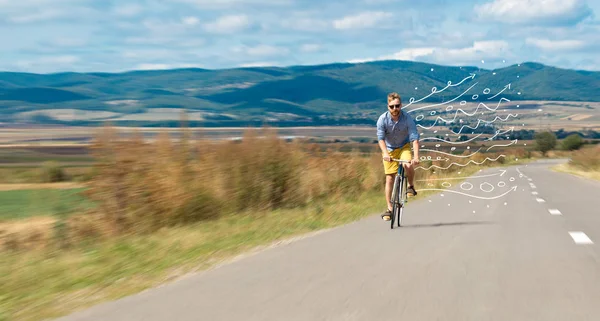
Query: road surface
[532, 253]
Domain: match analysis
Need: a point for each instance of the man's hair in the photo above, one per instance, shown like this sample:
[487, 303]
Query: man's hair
[393, 96]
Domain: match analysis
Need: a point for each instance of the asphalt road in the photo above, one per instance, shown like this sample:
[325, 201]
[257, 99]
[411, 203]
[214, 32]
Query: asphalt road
[501, 254]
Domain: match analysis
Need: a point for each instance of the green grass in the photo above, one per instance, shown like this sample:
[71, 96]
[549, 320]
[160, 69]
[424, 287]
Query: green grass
[19, 204]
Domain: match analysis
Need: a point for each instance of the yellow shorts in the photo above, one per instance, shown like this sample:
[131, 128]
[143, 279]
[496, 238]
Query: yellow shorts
[403, 153]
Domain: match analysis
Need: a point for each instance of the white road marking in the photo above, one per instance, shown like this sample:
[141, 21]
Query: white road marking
[534, 193]
[554, 211]
[529, 179]
[540, 200]
[580, 238]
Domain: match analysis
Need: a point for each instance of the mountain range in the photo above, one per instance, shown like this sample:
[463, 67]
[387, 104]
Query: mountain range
[338, 93]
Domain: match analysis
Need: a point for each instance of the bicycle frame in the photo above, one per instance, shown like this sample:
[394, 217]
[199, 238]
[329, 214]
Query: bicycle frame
[399, 197]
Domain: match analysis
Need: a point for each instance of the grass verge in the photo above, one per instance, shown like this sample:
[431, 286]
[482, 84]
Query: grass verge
[584, 163]
[573, 170]
[33, 282]
[43, 284]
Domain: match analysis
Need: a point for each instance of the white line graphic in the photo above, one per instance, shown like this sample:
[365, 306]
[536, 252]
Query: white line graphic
[514, 188]
[505, 87]
[462, 165]
[479, 121]
[453, 143]
[444, 103]
[501, 133]
[460, 156]
[445, 179]
[464, 112]
[434, 90]
[500, 145]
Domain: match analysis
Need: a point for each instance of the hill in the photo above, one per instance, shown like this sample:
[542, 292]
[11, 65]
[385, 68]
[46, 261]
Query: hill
[328, 94]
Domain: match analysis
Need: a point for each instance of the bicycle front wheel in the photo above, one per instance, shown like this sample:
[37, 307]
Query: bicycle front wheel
[402, 200]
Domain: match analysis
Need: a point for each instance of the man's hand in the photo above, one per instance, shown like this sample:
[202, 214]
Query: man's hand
[387, 157]
[415, 161]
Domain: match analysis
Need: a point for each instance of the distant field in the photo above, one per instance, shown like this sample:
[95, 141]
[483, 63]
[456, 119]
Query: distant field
[530, 115]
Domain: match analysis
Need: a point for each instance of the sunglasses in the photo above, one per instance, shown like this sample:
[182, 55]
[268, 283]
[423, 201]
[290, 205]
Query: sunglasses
[395, 106]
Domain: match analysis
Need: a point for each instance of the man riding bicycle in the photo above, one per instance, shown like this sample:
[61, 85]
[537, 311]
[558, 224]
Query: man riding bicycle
[395, 131]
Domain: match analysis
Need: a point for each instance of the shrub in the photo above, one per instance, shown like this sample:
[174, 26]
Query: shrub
[545, 141]
[587, 158]
[572, 142]
[52, 172]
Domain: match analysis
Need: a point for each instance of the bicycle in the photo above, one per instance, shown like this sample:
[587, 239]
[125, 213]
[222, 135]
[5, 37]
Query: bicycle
[399, 196]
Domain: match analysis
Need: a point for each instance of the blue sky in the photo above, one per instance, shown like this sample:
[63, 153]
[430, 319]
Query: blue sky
[45, 36]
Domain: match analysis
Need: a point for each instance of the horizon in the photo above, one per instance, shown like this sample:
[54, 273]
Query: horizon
[294, 66]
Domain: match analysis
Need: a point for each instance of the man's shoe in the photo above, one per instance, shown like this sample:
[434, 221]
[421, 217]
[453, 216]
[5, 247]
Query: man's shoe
[387, 215]
[411, 191]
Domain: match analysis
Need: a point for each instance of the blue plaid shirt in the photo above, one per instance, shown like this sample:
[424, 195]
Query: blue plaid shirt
[396, 134]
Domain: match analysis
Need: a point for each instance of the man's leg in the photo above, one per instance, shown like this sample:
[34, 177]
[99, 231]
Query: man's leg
[410, 170]
[390, 170]
[410, 174]
[389, 185]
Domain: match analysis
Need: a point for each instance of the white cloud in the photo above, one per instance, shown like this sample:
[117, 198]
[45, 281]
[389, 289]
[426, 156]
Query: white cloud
[411, 53]
[68, 42]
[361, 21]
[148, 54]
[534, 11]
[266, 50]
[480, 50]
[261, 51]
[128, 10]
[48, 61]
[32, 11]
[190, 21]
[555, 45]
[164, 40]
[310, 47]
[228, 24]
[258, 64]
[150, 66]
[215, 4]
[45, 15]
[305, 24]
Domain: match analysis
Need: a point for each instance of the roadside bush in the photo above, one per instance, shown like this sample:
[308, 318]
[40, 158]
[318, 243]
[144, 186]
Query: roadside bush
[142, 186]
[587, 158]
[51, 172]
[572, 142]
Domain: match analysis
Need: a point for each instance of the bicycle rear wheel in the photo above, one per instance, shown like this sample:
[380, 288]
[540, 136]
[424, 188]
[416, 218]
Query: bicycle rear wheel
[394, 201]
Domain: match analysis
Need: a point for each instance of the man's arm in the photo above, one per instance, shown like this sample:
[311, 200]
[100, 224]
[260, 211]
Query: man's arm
[415, 151]
[381, 140]
[414, 138]
[384, 151]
